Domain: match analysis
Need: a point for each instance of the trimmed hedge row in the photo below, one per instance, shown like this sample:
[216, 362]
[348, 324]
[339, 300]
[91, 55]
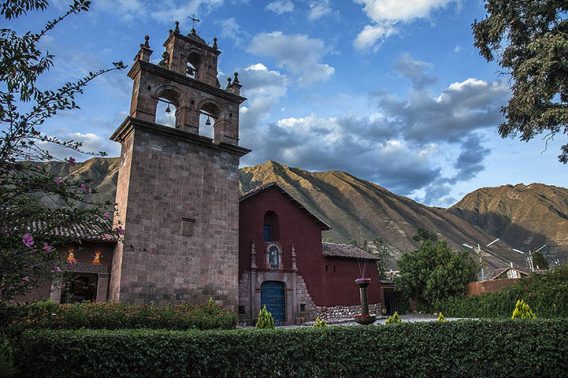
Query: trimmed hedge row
[108, 315]
[466, 349]
[546, 294]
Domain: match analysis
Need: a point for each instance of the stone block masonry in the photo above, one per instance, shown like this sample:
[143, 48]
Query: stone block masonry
[178, 197]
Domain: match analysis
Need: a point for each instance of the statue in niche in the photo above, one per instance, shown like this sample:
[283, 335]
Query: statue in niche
[273, 256]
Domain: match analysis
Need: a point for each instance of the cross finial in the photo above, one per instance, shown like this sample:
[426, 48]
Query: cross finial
[194, 19]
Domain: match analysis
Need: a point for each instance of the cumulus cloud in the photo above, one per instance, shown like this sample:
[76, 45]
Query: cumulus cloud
[318, 9]
[263, 88]
[371, 36]
[298, 53]
[386, 15]
[280, 6]
[461, 108]
[416, 71]
[421, 145]
[91, 143]
[231, 30]
[323, 143]
[470, 160]
[166, 11]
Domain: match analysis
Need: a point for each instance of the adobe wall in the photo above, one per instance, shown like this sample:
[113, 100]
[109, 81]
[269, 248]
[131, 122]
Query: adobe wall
[474, 289]
[180, 220]
[326, 288]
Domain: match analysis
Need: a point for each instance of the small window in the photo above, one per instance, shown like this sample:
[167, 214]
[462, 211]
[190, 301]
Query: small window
[334, 269]
[187, 226]
[302, 307]
[267, 232]
[270, 223]
[242, 310]
[327, 268]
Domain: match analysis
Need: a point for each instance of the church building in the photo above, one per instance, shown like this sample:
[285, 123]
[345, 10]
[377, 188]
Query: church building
[189, 235]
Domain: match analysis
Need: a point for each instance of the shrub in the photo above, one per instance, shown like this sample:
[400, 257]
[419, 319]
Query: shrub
[522, 311]
[118, 315]
[463, 349]
[320, 323]
[265, 319]
[547, 294]
[394, 319]
[6, 358]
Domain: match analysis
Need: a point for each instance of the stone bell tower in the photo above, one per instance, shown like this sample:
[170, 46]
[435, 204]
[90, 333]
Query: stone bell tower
[178, 190]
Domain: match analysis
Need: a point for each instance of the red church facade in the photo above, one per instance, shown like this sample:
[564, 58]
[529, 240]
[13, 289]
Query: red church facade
[284, 265]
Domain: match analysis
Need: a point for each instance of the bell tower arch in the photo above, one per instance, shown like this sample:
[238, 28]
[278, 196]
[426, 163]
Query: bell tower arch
[178, 190]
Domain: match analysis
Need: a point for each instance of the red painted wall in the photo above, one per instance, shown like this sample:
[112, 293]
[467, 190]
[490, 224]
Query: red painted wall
[301, 230]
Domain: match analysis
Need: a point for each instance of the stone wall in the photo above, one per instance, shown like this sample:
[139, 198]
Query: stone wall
[180, 219]
[346, 312]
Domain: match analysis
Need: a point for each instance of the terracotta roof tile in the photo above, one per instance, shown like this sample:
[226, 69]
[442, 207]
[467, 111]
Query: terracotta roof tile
[346, 251]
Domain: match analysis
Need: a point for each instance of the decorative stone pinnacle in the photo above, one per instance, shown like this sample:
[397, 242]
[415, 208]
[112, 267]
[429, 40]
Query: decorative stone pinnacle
[252, 256]
[236, 80]
[177, 27]
[215, 43]
[147, 41]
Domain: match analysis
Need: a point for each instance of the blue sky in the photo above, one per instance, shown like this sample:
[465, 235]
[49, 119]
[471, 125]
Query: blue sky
[390, 91]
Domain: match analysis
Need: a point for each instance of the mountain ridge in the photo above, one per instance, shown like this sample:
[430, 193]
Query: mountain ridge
[360, 210]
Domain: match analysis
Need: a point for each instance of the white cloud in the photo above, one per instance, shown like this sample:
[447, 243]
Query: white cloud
[396, 10]
[170, 11]
[166, 11]
[231, 30]
[461, 108]
[323, 143]
[263, 88]
[318, 9]
[371, 35]
[387, 15]
[280, 6]
[297, 53]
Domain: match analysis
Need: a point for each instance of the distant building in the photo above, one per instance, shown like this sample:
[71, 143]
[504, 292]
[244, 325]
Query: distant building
[189, 236]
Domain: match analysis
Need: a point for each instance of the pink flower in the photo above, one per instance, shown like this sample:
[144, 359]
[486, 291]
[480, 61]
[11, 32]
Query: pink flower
[71, 161]
[47, 248]
[56, 269]
[58, 180]
[26, 279]
[106, 215]
[119, 230]
[28, 240]
[85, 188]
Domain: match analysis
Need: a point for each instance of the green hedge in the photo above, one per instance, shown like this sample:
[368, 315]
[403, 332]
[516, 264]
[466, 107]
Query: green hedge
[546, 294]
[119, 316]
[465, 349]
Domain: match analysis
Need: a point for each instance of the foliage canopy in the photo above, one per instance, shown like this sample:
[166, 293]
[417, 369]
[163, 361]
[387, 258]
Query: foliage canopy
[434, 272]
[529, 39]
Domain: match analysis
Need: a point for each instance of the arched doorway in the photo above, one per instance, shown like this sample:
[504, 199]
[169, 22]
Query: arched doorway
[272, 294]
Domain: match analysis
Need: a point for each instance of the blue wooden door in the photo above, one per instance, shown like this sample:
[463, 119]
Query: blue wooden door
[272, 295]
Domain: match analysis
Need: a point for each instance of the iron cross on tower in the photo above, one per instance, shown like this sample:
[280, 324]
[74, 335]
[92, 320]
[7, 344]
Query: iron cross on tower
[194, 20]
